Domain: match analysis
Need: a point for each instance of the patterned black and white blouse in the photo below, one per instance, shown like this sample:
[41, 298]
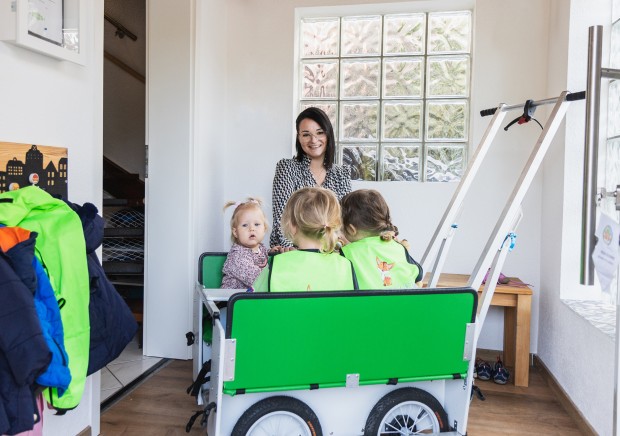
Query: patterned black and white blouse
[292, 175]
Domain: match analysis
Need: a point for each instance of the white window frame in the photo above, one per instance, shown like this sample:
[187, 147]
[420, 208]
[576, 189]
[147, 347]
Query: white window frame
[425, 6]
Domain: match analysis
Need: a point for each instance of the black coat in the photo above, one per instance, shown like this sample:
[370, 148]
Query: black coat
[112, 325]
[24, 354]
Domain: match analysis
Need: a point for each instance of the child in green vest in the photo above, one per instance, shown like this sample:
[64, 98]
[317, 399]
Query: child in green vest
[311, 220]
[380, 261]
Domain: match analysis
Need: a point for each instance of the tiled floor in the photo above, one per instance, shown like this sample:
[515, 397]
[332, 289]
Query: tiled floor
[130, 365]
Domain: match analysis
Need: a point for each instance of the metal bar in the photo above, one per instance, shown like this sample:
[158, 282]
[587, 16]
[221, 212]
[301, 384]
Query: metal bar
[593, 98]
[516, 198]
[459, 195]
[441, 258]
[610, 73]
[573, 96]
[121, 30]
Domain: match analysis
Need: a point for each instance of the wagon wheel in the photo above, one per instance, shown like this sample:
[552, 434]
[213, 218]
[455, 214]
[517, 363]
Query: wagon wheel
[406, 411]
[278, 416]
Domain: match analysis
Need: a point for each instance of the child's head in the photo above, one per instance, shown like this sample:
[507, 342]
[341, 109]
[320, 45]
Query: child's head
[248, 223]
[365, 213]
[312, 214]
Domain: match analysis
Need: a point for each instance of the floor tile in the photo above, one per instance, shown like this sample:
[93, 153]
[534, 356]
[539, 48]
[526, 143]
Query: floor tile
[126, 372]
[108, 381]
[107, 393]
[131, 353]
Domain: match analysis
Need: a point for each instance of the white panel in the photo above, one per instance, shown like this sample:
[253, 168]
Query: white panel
[168, 259]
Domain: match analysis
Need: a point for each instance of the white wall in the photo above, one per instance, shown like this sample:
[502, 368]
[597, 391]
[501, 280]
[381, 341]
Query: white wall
[50, 102]
[246, 85]
[580, 356]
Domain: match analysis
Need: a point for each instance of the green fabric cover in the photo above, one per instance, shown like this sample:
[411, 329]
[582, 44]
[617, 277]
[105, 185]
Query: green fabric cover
[290, 341]
[368, 254]
[61, 249]
[301, 270]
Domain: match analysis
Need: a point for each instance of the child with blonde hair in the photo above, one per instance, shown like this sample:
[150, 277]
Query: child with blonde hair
[380, 261]
[247, 256]
[311, 220]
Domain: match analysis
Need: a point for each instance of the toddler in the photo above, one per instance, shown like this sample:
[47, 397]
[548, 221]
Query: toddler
[311, 220]
[247, 256]
[380, 261]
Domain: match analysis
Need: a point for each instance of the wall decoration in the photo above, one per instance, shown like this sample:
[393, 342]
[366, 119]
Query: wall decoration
[28, 164]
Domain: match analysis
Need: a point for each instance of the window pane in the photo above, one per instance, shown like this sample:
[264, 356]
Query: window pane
[448, 76]
[331, 109]
[446, 120]
[449, 32]
[319, 79]
[360, 79]
[444, 163]
[615, 46]
[362, 160]
[613, 109]
[319, 37]
[401, 163]
[359, 121]
[612, 170]
[402, 121]
[361, 36]
[402, 77]
[404, 34]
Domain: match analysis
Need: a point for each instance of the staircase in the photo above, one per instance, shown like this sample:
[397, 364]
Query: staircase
[123, 239]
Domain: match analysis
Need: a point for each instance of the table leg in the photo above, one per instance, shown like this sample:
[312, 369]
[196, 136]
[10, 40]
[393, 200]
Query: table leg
[522, 346]
[510, 334]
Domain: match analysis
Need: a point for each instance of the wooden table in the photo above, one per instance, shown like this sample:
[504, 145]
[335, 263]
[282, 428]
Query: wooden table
[517, 304]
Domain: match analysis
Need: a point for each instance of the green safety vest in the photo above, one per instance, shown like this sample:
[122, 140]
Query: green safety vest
[61, 248]
[382, 264]
[302, 270]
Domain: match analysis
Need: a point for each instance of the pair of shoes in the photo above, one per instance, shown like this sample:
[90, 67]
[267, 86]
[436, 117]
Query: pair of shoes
[500, 373]
[483, 370]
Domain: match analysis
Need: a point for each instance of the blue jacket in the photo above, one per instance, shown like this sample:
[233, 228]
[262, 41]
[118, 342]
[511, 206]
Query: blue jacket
[30, 271]
[112, 325]
[24, 354]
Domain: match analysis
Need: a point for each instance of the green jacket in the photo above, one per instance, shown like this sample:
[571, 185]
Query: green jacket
[310, 270]
[61, 249]
[382, 264]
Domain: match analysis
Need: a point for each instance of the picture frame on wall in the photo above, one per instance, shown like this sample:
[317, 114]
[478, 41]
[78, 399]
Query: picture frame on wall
[45, 20]
[37, 165]
[54, 28]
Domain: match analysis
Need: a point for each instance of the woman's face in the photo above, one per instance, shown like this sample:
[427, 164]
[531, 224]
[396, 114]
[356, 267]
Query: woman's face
[312, 138]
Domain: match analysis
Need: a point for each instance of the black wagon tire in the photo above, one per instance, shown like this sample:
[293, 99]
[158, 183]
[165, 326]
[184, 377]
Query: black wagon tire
[279, 415]
[406, 411]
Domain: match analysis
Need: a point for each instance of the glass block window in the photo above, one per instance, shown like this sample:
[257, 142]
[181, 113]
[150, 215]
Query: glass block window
[612, 153]
[396, 88]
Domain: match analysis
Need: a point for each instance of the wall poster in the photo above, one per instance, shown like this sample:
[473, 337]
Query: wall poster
[28, 164]
[45, 19]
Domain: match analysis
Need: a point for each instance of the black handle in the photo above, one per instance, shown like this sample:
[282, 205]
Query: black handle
[487, 112]
[581, 95]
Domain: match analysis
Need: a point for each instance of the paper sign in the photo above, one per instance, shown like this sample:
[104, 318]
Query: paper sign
[605, 254]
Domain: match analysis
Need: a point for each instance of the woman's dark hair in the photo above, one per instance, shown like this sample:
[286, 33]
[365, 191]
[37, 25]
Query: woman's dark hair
[321, 118]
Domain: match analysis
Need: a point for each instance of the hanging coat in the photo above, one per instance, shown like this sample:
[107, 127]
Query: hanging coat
[60, 248]
[112, 325]
[23, 352]
[18, 245]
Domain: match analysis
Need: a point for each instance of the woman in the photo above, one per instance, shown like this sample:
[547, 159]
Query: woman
[313, 165]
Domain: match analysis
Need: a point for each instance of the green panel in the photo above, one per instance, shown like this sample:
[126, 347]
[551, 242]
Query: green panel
[210, 269]
[293, 340]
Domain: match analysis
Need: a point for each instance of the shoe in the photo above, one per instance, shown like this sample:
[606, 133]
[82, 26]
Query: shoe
[483, 370]
[500, 373]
